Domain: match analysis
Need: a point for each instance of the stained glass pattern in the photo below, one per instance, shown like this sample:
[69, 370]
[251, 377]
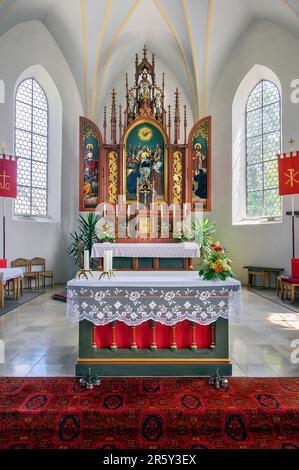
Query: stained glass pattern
[263, 142]
[31, 146]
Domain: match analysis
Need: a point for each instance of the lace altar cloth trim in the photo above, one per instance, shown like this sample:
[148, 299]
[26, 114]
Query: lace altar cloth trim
[167, 305]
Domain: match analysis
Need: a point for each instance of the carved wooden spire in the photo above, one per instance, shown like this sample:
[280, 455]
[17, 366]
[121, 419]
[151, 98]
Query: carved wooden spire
[163, 99]
[113, 117]
[120, 124]
[136, 69]
[153, 69]
[105, 124]
[185, 124]
[177, 118]
[169, 122]
[144, 52]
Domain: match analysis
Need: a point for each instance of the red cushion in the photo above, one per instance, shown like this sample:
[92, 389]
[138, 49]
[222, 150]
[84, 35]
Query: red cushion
[3, 263]
[291, 280]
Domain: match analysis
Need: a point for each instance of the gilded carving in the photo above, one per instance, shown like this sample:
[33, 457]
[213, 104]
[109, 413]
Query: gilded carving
[112, 178]
[178, 177]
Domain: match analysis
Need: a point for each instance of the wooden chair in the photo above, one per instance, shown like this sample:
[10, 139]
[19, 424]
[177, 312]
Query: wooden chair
[27, 274]
[41, 262]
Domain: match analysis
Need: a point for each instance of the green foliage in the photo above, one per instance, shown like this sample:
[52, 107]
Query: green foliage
[203, 235]
[83, 238]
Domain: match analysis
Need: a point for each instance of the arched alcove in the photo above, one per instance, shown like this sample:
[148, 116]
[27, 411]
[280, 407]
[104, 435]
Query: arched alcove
[252, 78]
[40, 74]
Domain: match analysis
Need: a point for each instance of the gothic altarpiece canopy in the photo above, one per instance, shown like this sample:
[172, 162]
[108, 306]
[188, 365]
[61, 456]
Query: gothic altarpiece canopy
[146, 160]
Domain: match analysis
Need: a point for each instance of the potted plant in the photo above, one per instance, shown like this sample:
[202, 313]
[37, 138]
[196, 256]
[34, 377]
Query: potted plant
[83, 238]
[203, 235]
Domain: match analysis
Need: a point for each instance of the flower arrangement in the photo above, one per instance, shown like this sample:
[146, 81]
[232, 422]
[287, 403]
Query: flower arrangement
[105, 231]
[217, 264]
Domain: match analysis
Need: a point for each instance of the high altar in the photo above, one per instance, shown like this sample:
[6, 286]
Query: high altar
[156, 317]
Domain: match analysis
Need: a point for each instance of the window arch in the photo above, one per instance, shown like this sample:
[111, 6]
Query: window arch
[31, 146]
[263, 143]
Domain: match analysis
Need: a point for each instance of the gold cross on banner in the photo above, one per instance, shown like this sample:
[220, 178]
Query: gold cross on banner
[291, 142]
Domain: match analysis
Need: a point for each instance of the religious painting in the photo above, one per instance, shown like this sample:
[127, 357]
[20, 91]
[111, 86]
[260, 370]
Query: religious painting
[200, 165]
[145, 164]
[90, 144]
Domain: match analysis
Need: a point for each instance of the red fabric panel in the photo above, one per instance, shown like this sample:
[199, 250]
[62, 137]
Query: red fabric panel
[124, 336]
[3, 263]
[295, 267]
[288, 168]
[8, 177]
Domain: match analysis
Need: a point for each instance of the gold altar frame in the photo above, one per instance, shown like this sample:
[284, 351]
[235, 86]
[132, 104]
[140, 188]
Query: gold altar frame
[124, 157]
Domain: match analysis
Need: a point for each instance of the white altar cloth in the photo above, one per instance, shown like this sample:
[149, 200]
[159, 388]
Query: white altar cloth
[147, 250]
[167, 297]
[10, 273]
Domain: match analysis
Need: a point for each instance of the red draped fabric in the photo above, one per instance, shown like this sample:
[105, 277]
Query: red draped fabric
[103, 335]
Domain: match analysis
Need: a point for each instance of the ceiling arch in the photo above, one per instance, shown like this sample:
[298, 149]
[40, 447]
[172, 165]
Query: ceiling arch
[192, 37]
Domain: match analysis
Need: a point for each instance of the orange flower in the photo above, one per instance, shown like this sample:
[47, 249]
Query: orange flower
[219, 269]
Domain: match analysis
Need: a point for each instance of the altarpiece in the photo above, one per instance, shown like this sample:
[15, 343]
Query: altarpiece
[146, 159]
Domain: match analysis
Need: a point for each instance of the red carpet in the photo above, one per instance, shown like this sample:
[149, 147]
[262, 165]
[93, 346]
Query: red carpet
[166, 413]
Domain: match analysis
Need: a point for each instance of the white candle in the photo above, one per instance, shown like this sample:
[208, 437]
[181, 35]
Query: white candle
[110, 260]
[106, 261]
[86, 260]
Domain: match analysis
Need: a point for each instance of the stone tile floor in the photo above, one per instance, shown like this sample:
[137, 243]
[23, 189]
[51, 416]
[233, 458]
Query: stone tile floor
[39, 341]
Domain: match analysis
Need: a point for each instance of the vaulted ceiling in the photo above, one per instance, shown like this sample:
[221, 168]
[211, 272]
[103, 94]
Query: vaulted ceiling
[192, 37]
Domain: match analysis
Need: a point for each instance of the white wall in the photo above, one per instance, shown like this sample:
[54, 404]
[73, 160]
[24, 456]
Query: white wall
[266, 44]
[27, 45]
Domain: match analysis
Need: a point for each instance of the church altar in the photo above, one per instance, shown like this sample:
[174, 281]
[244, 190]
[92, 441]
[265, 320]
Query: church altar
[163, 323]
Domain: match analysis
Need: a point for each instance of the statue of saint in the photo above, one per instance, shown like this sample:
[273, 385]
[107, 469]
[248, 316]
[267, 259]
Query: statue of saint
[132, 103]
[158, 102]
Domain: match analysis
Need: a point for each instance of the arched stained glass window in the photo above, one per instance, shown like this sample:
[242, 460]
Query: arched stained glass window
[263, 143]
[31, 146]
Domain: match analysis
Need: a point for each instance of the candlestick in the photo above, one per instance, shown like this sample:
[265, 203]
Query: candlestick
[153, 192]
[137, 193]
[110, 260]
[86, 260]
[106, 261]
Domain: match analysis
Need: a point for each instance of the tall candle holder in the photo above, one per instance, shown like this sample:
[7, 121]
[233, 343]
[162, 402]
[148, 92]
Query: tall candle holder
[109, 274]
[84, 273]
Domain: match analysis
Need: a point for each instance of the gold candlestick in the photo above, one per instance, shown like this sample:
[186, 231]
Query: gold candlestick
[109, 274]
[83, 273]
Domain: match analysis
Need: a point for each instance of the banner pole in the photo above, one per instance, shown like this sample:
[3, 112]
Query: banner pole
[4, 229]
[293, 227]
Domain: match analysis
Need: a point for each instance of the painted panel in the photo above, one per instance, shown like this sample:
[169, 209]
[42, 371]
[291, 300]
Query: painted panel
[90, 165]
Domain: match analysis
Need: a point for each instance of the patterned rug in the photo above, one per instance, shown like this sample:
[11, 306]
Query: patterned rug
[151, 413]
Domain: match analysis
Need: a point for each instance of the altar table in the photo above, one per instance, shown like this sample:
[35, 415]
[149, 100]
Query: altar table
[8, 274]
[158, 323]
[149, 255]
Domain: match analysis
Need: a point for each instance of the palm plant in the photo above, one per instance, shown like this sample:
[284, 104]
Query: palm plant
[203, 235]
[83, 238]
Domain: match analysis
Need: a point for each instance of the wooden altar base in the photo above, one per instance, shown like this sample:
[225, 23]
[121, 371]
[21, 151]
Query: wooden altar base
[162, 362]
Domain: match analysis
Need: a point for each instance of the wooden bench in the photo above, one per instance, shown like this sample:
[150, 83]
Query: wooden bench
[264, 272]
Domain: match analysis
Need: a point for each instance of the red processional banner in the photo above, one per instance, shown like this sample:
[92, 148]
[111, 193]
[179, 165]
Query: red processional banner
[8, 176]
[288, 170]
